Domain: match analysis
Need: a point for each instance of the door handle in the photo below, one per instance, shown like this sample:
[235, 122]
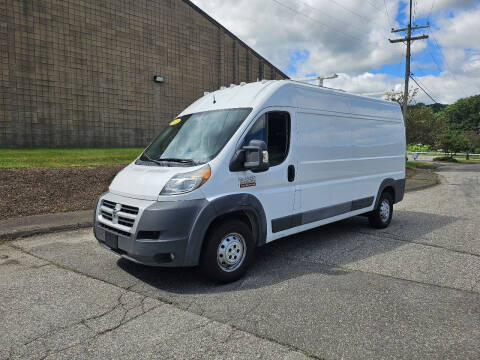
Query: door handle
[291, 173]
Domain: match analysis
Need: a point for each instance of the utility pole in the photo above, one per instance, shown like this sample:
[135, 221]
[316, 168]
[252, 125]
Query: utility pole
[408, 39]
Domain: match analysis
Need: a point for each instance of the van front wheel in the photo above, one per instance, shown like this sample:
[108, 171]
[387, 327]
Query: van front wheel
[381, 217]
[227, 251]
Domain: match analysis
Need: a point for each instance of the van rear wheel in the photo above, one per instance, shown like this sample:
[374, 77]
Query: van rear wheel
[381, 217]
[227, 252]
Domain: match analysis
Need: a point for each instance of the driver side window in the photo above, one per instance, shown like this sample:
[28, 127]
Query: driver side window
[273, 128]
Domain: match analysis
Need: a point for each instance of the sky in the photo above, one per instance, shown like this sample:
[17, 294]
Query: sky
[350, 38]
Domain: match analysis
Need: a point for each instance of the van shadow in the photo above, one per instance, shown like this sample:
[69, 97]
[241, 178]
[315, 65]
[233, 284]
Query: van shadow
[322, 250]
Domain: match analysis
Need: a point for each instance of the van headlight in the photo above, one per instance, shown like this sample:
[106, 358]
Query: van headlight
[186, 182]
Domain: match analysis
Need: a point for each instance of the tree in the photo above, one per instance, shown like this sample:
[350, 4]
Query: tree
[464, 114]
[421, 125]
[453, 142]
[420, 122]
[474, 139]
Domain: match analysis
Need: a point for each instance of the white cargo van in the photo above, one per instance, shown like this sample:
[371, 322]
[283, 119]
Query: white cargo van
[249, 164]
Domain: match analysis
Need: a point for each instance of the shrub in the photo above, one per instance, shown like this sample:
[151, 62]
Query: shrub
[453, 142]
[445, 158]
[419, 148]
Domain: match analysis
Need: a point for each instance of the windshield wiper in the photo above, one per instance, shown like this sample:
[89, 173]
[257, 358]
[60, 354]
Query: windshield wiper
[161, 161]
[182, 161]
[151, 160]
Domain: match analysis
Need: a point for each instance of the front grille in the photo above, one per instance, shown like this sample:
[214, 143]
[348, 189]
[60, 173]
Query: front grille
[117, 213]
[107, 215]
[114, 230]
[125, 222]
[109, 204]
[130, 209]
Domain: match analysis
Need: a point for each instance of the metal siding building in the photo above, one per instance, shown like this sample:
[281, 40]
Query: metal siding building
[78, 73]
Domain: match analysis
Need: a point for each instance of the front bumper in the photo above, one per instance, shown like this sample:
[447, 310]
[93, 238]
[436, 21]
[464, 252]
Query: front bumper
[157, 235]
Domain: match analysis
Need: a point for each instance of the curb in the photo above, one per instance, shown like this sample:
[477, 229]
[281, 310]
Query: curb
[41, 231]
[425, 183]
[425, 186]
[24, 233]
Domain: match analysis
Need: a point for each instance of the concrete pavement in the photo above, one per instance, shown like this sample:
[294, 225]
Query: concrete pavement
[47, 311]
[340, 291]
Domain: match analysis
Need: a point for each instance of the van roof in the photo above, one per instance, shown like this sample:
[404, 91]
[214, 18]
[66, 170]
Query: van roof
[290, 93]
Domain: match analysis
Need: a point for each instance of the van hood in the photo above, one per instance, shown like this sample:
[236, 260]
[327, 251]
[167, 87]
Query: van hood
[144, 182]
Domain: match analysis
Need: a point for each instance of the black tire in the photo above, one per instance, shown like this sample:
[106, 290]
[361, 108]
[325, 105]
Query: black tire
[377, 218]
[230, 232]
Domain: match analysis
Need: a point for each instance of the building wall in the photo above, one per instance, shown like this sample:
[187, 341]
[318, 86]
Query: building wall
[79, 73]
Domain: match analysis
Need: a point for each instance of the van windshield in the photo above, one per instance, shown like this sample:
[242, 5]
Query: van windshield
[196, 138]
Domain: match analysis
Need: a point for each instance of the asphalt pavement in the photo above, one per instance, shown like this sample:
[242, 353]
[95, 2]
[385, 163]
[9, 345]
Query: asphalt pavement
[342, 291]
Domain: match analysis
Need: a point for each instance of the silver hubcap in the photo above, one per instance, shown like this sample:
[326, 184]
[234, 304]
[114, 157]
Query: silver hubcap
[231, 252]
[384, 210]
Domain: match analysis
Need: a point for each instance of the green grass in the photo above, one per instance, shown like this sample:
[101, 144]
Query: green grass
[431, 153]
[415, 164]
[24, 158]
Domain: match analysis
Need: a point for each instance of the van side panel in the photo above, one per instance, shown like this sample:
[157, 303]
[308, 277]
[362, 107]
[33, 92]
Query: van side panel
[377, 148]
[319, 100]
[369, 108]
[323, 150]
[344, 158]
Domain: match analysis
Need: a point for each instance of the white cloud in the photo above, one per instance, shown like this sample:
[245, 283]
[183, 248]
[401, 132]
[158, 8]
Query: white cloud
[434, 7]
[349, 37]
[366, 83]
[336, 38]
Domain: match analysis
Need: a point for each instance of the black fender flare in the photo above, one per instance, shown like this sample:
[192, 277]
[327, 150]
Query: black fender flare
[218, 207]
[398, 188]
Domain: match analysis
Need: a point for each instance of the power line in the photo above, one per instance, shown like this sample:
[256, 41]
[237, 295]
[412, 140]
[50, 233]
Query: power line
[387, 17]
[387, 14]
[431, 9]
[445, 62]
[315, 20]
[441, 54]
[435, 45]
[422, 74]
[350, 11]
[414, 10]
[442, 57]
[372, 5]
[423, 89]
[317, 9]
[356, 13]
[434, 59]
[351, 24]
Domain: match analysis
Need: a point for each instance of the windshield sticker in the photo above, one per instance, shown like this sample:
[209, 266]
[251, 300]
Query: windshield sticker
[175, 122]
[247, 181]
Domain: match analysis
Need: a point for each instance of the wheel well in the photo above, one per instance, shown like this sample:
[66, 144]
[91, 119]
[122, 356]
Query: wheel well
[390, 190]
[245, 216]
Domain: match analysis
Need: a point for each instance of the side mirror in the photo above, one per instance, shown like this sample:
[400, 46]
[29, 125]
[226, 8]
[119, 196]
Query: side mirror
[256, 156]
[252, 157]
